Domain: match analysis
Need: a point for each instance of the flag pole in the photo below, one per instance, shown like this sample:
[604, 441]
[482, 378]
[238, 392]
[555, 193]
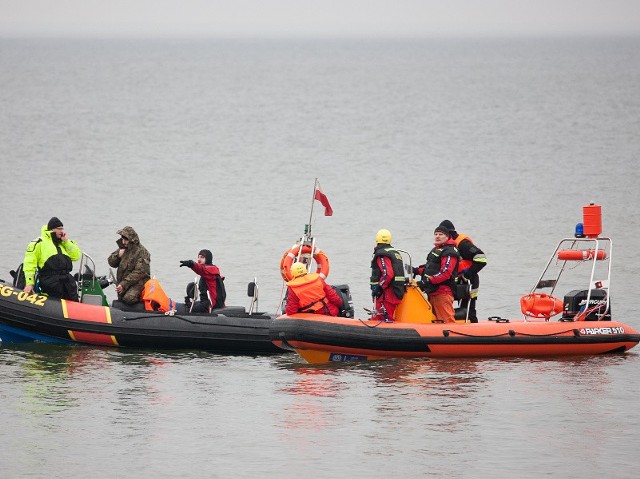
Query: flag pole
[313, 200]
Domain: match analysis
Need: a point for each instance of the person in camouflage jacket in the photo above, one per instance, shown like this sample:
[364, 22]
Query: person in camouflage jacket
[134, 265]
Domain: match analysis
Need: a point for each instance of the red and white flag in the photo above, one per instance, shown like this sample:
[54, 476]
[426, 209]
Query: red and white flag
[322, 198]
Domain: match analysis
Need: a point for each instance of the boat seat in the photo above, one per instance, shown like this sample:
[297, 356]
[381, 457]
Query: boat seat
[230, 310]
[127, 307]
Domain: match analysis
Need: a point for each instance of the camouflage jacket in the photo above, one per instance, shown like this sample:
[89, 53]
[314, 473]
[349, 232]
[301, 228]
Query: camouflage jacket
[134, 266]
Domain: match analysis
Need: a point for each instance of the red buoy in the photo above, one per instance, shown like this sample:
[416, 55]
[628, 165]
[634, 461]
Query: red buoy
[581, 254]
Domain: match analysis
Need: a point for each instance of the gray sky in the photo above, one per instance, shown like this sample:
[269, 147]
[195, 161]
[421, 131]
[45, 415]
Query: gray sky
[316, 17]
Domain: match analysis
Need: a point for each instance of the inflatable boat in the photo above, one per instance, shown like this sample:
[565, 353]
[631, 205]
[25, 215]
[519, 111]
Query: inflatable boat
[37, 318]
[583, 328]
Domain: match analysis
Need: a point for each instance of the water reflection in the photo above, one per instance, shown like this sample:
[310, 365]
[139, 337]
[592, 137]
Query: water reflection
[452, 378]
[441, 393]
[56, 378]
[386, 392]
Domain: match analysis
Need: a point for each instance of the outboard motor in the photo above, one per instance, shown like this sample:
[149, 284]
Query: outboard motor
[346, 310]
[575, 301]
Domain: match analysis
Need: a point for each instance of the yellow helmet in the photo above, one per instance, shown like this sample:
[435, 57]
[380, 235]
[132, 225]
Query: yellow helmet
[383, 236]
[298, 269]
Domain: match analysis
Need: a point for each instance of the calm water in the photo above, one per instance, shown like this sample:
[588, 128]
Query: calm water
[217, 144]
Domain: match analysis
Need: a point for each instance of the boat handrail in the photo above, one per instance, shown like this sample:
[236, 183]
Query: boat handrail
[597, 244]
[84, 264]
[409, 270]
[252, 291]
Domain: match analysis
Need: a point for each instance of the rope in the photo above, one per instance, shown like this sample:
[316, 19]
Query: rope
[374, 325]
[135, 318]
[573, 330]
[446, 332]
[375, 312]
[511, 332]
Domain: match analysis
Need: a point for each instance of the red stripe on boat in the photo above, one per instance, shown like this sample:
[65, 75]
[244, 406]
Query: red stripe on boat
[85, 312]
[93, 338]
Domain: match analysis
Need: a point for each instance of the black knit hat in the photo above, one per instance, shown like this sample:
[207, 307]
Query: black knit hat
[54, 223]
[448, 224]
[208, 256]
[443, 229]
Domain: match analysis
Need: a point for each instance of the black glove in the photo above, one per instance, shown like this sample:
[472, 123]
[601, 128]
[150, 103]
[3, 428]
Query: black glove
[376, 290]
[424, 284]
[188, 263]
[416, 271]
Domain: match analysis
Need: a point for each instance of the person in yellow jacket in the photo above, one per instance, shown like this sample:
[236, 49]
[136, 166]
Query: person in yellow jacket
[52, 254]
[308, 293]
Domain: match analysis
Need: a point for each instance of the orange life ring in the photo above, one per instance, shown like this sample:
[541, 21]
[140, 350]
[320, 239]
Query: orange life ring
[290, 256]
[539, 305]
[581, 254]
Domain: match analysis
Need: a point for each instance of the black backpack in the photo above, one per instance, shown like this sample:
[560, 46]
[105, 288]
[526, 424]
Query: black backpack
[19, 281]
[222, 292]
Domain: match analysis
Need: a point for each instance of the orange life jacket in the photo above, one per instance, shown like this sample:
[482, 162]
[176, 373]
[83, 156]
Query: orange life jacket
[154, 297]
[464, 263]
[310, 292]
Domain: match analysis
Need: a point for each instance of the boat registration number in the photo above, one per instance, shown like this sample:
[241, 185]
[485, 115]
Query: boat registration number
[36, 299]
[616, 330]
[346, 357]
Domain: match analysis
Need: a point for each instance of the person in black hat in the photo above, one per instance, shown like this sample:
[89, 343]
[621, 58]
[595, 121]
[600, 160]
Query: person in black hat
[210, 284]
[439, 274]
[51, 255]
[472, 261]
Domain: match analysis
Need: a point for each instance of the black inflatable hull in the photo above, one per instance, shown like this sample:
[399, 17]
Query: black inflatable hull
[38, 318]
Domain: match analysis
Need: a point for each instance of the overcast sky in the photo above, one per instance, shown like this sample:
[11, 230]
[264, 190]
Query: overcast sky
[317, 17]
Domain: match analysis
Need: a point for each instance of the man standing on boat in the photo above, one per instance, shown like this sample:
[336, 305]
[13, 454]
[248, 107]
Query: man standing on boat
[134, 265]
[308, 293]
[387, 277]
[52, 254]
[210, 285]
[472, 261]
[439, 274]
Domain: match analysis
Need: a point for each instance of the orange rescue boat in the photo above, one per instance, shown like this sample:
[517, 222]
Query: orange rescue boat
[584, 327]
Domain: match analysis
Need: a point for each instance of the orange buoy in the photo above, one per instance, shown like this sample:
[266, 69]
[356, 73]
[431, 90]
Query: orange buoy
[581, 254]
[290, 256]
[592, 220]
[540, 305]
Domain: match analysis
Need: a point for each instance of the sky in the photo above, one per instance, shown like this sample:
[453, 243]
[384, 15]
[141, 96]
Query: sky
[332, 18]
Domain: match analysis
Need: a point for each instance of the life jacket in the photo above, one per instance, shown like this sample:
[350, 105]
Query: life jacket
[463, 264]
[310, 292]
[398, 283]
[432, 265]
[154, 297]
